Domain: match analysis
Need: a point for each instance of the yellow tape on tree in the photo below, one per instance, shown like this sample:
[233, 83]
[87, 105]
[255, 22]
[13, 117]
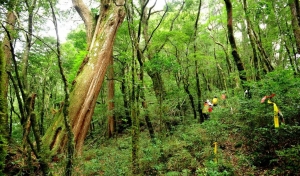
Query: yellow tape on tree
[276, 118]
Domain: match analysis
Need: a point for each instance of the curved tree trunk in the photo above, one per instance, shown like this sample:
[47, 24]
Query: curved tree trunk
[87, 18]
[87, 85]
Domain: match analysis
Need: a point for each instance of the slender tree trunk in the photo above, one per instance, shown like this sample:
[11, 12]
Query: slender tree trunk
[198, 87]
[208, 88]
[285, 44]
[191, 98]
[125, 93]
[235, 54]
[87, 85]
[110, 98]
[252, 41]
[136, 43]
[28, 36]
[266, 63]
[65, 110]
[221, 73]
[135, 121]
[295, 22]
[43, 109]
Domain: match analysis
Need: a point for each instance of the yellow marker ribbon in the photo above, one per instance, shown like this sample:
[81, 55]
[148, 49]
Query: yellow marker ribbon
[276, 118]
[276, 112]
[215, 151]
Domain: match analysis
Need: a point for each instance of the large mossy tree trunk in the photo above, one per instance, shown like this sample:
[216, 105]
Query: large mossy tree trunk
[3, 111]
[5, 62]
[87, 85]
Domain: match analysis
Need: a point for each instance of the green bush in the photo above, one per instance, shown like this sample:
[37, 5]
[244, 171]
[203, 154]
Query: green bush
[277, 148]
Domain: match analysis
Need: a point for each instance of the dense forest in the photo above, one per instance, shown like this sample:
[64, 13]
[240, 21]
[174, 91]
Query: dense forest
[141, 87]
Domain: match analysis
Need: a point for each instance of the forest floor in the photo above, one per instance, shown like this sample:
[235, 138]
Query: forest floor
[185, 149]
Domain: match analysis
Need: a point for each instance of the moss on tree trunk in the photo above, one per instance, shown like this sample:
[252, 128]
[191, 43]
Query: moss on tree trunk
[3, 111]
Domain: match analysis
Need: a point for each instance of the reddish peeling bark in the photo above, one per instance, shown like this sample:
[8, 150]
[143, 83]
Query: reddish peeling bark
[87, 85]
[89, 81]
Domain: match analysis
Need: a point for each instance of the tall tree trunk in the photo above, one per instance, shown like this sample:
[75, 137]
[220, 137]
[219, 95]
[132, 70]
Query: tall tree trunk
[235, 54]
[135, 120]
[295, 22]
[11, 21]
[252, 41]
[186, 86]
[3, 110]
[137, 47]
[285, 43]
[87, 85]
[6, 56]
[65, 111]
[28, 36]
[126, 103]
[198, 87]
[5, 62]
[110, 98]
[221, 73]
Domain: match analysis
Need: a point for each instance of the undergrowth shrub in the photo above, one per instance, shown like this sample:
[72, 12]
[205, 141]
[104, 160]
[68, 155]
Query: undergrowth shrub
[276, 148]
[214, 168]
[181, 160]
[269, 147]
[113, 158]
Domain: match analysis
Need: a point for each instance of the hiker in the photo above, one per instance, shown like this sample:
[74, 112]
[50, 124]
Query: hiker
[247, 93]
[210, 106]
[223, 98]
[205, 111]
[215, 101]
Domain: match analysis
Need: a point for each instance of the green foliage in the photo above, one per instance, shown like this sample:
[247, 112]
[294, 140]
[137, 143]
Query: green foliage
[104, 161]
[285, 85]
[78, 39]
[269, 146]
[213, 168]
[289, 159]
[181, 160]
[74, 52]
[162, 63]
